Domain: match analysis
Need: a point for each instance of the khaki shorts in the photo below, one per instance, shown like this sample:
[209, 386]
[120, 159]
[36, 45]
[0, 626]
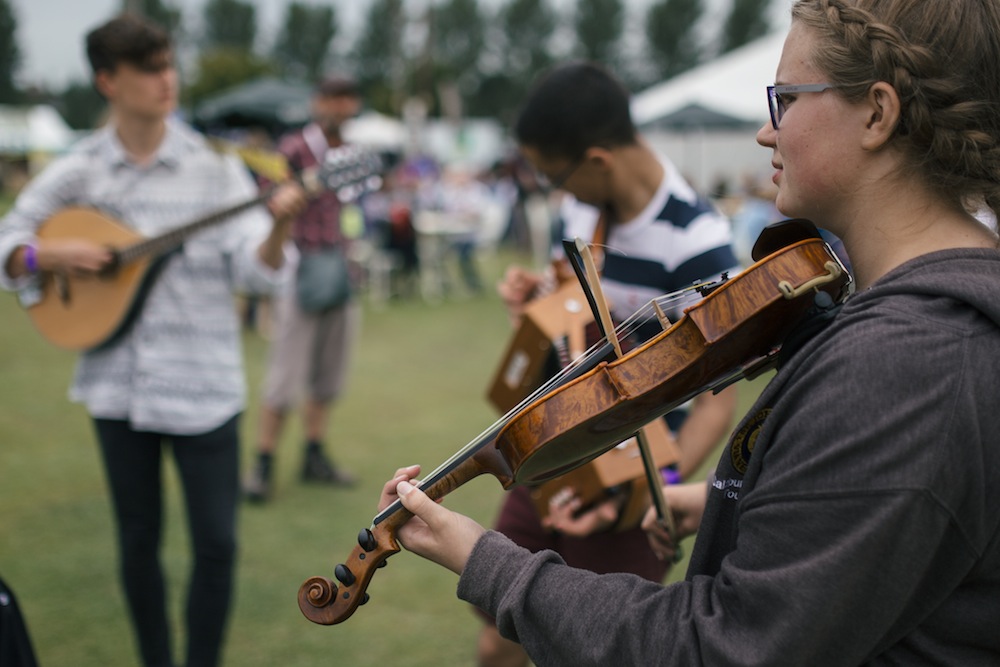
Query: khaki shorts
[310, 353]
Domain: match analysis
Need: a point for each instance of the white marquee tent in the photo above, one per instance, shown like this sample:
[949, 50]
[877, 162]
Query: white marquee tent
[33, 129]
[705, 119]
[733, 84]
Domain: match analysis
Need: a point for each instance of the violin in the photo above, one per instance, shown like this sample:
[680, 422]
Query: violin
[734, 332]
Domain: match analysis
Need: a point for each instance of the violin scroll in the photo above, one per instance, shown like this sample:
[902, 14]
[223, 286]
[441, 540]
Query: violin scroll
[322, 601]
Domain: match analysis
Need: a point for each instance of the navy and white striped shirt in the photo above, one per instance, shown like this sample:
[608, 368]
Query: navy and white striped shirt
[679, 239]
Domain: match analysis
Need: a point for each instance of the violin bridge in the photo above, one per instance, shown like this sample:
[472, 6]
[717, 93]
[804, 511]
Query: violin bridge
[665, 322]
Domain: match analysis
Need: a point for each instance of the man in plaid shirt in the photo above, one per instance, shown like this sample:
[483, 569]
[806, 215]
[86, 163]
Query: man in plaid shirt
[310, 349]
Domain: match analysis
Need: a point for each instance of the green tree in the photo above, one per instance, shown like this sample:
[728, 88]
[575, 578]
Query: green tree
[304, 42]
[517, 51]
[528, 26]
[456, 43]
[377, 56]
[81, 105]
[670, 36]
[168, 17]
[226, 58]
[219, 69]
[230, 24]
[747, 21]
[599, 26]
[10, 53]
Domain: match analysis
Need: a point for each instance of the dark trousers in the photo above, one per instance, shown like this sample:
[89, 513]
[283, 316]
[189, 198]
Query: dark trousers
[15, 644]
[208, 466]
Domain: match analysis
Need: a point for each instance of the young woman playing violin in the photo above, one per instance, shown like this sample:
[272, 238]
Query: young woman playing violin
[852, 520]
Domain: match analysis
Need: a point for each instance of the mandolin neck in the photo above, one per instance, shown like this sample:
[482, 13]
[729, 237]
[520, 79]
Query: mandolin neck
[346, 170]
[160, 245]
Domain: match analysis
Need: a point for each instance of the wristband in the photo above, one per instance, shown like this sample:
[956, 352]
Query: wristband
[670, 476]
[31, 258]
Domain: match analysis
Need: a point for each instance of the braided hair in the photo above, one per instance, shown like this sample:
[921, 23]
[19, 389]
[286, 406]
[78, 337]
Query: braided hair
[943, 59]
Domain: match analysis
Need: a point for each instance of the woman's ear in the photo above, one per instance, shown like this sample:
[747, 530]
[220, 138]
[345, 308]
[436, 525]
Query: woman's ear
[884, 115]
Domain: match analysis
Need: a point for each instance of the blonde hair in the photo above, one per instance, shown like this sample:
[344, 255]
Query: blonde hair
[943, 59]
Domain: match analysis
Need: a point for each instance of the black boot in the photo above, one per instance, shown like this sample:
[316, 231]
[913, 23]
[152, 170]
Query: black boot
[317, 467]
[257, 485]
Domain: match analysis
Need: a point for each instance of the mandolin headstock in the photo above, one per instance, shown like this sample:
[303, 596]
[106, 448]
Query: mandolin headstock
[350, 171]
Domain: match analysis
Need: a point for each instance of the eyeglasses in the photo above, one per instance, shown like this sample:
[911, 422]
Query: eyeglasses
[556, 182]
[777, 106]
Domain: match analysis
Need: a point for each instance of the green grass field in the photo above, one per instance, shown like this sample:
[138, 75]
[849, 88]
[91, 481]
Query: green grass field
[416, 395]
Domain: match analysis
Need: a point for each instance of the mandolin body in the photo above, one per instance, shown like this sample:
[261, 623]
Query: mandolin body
[83, 312]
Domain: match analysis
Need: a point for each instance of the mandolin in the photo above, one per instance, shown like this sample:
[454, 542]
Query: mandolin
[88, 312]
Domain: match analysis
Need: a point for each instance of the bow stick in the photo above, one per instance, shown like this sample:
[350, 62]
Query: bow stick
[582, 261]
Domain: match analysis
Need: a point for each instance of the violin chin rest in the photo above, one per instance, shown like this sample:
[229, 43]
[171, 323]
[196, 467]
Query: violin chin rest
[781, 234]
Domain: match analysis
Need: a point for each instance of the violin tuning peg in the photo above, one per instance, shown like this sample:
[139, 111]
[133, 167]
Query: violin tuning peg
[383, 563]
[367, 540]
[344, 575]
[364, 599]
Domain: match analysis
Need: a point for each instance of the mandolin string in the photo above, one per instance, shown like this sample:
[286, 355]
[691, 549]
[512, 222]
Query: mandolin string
[168, 240]
[342, 167]
[628, 326]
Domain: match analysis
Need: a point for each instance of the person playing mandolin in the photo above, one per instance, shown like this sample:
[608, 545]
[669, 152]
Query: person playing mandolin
[657, 236]
[174, 374]
[852, 520]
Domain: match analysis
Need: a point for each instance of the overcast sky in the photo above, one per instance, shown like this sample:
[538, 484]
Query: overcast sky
[50, 32]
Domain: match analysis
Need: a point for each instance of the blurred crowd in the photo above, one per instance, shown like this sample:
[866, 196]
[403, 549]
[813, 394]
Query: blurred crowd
[421, 233]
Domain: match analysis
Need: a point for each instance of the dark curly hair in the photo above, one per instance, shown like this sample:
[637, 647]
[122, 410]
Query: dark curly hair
[127, 38]
[573, 107]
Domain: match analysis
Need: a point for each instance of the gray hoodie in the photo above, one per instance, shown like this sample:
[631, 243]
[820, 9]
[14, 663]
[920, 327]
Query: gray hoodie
[853, 519]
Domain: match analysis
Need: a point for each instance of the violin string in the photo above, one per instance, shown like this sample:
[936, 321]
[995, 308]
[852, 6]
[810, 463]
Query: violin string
[628, 327]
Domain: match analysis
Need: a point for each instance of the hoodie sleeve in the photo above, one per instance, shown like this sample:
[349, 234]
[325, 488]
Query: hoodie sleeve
[861, 517]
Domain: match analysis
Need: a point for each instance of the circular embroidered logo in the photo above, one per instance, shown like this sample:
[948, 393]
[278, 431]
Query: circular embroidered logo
[742, 444]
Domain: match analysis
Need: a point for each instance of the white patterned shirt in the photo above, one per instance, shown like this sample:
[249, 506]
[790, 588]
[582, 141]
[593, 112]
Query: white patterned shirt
[178, 368]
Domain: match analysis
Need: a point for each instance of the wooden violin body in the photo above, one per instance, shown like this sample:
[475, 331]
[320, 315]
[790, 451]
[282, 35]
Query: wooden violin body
[735, 331]
[740, 324]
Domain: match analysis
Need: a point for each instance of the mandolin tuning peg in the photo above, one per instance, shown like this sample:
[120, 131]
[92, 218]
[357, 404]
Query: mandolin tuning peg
[344, 575]
[367, 540]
